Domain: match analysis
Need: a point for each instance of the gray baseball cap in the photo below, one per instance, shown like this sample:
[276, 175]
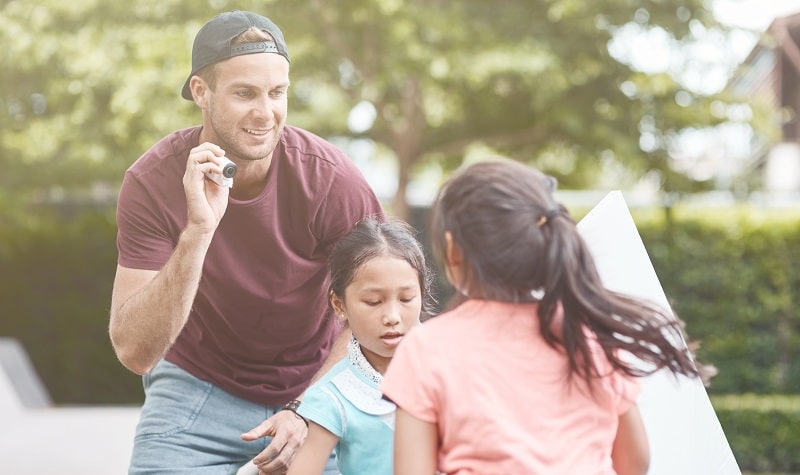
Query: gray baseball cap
[213, 42]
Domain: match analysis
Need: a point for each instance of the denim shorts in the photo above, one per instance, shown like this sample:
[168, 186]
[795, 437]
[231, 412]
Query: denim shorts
[192, 426]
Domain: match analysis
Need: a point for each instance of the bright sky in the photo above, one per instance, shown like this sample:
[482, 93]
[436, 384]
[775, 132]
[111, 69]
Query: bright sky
[753, 14]
[723, 152]
[705, 66]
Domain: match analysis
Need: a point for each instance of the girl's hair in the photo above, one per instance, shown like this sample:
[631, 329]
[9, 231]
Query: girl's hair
[372, 238]
[519, 244]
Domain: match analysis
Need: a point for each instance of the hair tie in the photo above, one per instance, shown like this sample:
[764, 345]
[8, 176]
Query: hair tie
[545, 218]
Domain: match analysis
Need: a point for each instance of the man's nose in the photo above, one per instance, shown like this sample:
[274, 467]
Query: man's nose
[262, 106]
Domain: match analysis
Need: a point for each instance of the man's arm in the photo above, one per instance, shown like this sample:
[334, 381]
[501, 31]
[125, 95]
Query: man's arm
[149, 308]
[285, 442]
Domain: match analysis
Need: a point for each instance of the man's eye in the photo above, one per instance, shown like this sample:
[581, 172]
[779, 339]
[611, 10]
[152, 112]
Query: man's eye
[278, 94]
[245, 94]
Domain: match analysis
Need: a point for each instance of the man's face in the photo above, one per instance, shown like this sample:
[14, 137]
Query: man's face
[246, 112]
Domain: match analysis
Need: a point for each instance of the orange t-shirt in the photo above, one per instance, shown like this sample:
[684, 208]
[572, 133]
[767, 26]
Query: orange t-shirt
[500, 396]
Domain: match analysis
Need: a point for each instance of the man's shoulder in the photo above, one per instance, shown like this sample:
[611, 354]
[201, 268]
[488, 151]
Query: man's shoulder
[293, 134]
[178, 143]
[175, 145]
[303, 143]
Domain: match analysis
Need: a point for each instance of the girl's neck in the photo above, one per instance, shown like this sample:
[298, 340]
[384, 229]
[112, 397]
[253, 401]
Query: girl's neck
[360, 362]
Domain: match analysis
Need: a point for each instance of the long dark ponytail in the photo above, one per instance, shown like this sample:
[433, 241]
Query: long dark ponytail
[520, 245]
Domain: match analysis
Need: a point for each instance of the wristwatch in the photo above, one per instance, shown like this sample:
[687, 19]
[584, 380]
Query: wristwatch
[292, 406]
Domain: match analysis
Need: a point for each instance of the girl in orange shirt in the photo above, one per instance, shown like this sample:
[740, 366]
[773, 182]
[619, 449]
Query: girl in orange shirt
[536, 371]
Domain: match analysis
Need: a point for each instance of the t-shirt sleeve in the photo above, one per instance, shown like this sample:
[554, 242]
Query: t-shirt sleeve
[321, 405]
[141, 242]
[350, 199]
[623, 389]
[411, 383]
[626, 390]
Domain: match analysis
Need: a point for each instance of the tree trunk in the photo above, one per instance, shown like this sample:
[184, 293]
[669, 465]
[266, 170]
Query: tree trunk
[400, 207]
[407, 133]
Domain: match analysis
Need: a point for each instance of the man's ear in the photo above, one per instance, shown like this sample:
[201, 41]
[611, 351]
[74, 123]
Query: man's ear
[198, 86]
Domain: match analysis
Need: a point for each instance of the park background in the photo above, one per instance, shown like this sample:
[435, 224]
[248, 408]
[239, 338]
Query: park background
[653, 97]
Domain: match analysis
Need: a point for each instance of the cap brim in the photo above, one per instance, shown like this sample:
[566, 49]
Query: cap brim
[186, 92]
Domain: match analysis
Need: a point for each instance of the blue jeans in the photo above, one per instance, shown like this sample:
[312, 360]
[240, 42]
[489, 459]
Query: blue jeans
[192, 426]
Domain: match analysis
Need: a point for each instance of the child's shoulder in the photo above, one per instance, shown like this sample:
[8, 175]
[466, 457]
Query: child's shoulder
[439, 329]
[475, 319]
[466, 315]
[337, 368]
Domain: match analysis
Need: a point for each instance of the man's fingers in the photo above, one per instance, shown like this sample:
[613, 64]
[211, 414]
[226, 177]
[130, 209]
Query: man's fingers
[288, 431]
[210, 147]
[274, 462]
[265, 429]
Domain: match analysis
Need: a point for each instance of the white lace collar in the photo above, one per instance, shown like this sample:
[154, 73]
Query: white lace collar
[359, 361]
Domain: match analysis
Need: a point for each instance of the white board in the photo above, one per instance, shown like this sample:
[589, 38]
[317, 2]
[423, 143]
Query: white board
[683, 430]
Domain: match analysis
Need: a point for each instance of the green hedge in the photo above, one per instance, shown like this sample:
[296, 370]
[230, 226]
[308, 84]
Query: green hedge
[56, 276]
[762, 430]
[730, 275]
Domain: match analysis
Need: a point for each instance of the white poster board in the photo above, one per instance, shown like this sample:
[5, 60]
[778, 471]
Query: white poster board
[683, 430]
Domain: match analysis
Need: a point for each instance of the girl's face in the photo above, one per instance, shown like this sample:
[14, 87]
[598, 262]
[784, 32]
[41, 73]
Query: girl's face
[382, 303]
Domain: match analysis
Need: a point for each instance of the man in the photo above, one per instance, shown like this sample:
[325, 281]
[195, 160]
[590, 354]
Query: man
[219, 296]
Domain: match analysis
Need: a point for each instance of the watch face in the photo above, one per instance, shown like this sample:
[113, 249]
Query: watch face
[292, 405]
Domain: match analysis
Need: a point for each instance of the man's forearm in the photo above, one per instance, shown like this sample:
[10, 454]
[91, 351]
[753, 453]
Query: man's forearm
[147, 320]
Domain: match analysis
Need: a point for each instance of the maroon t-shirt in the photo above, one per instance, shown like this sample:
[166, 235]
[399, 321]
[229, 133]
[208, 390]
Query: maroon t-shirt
[260, 326]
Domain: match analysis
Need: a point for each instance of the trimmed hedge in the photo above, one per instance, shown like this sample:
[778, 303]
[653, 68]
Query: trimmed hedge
[762, 430]
[56, 276]
[730, 274]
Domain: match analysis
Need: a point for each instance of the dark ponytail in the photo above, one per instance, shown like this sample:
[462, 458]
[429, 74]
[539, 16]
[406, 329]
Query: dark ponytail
[621, 323]
[520, 245]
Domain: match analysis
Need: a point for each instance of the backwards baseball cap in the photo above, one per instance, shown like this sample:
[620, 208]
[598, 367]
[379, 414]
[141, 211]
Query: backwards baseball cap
[213, 42]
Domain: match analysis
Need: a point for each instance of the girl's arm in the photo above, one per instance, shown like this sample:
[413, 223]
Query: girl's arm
[631, 452]
[416, 443]
[315, 451]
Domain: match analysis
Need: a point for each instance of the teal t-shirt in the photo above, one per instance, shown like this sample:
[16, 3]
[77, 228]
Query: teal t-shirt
[350, 405]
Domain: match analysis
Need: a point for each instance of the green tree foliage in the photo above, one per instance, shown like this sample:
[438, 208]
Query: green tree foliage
[531, 79]
[88, 85]
[83, 91]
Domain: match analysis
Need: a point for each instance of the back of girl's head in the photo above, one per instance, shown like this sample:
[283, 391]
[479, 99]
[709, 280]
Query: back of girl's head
[518, 244]
[504, 218]
[372, 238]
